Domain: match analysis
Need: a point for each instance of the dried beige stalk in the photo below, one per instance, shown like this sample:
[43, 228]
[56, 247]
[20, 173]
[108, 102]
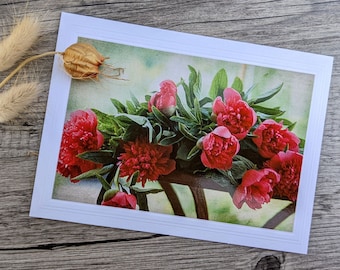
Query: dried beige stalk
[21, 39]
[81, 61]
[16, 99]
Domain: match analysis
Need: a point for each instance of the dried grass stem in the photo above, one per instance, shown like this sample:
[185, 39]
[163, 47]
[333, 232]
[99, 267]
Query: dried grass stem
[20, 40]
[16, 99]
[26, 61]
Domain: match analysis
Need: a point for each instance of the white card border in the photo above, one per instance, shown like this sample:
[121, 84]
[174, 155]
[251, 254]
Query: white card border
[72, 26]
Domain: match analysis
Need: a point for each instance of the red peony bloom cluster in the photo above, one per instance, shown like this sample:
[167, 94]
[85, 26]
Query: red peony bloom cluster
[80, 134]
[288, 165]
[123, 200]
[234, 113]
[218, 149]
[271, 139]
[280, 178]
[150, 160]
[165, 99]
[256, 188]
[234, 119]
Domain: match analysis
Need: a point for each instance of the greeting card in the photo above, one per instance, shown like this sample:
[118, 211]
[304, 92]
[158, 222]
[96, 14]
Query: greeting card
[179, 134]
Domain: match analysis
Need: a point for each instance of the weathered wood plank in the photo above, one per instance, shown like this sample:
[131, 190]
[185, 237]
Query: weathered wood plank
[26, 243]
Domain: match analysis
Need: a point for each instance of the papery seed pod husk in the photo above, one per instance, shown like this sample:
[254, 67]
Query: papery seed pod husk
[82, 61]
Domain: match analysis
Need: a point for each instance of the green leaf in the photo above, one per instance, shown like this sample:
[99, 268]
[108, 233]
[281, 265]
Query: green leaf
[195, 82]
[134, 100]
[119, 106]
[193, 152]
[134, 178]
[107, 123]
[290, 125]
[147, 98]
[104, 183]
[206, 113]
[238, 85]
[219, 83]
[131, 109]
[139, 120]
[132, 132]
[205, 100]
[268, 111]
[247, 143]
[210, 127]
[182, 120]
[267, 95]
[183, 151]
[189, 95]
[264, 116]
[171, 139]
[109, 194]
[247, 93]
[238, 169]
[93, 173]
[116, 178]
[99, 156]
[222, 180]
[158, 131]
[197, 111]
[186, 133]
[161, 118]
[147, 190]
[302, 144]
[183, 111]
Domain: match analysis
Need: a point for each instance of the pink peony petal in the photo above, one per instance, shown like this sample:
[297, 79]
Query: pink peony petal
[231, 95]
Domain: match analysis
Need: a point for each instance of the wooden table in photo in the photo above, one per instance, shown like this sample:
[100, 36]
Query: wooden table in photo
[28, 243]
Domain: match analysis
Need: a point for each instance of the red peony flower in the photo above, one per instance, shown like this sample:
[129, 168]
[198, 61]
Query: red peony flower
[256, 188]
[234, 113]
[165, 100]
[218, 149]
[123, 200]
[80, 134]
[271, 139]
[288, 165]
[150, 160]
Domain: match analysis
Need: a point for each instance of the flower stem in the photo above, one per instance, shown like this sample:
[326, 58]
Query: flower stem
[22, 64]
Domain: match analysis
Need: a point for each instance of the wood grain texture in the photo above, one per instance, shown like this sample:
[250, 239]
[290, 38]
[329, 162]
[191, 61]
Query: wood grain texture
[27, 243]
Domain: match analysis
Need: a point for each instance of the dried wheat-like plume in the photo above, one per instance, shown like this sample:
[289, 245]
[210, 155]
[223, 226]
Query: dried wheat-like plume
[21, 39]
[16, 99]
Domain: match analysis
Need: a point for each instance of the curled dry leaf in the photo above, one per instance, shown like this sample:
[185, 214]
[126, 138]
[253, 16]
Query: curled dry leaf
[21, 39]
[16, 99]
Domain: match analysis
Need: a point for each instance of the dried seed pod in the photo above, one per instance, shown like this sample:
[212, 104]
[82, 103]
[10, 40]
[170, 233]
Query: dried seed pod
[82, 61]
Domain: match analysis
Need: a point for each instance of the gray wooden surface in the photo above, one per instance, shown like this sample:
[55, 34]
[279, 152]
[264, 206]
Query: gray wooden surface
[27, 243]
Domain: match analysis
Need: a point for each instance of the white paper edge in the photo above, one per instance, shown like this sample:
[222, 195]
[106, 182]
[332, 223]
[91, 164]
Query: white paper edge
[72, 26]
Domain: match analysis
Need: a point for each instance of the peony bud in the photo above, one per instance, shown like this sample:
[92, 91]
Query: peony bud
[165, 99]
[123, 200]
